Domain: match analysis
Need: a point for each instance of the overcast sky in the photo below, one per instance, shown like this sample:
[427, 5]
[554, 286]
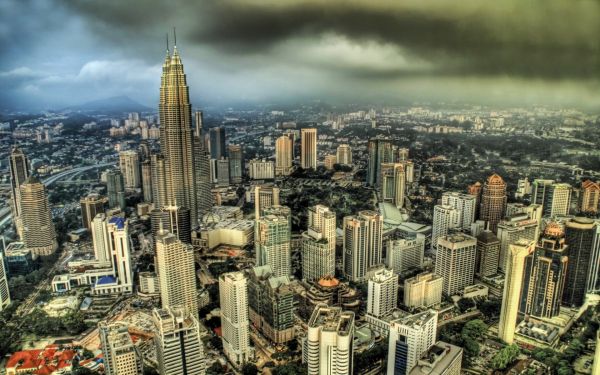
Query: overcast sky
[57, 53]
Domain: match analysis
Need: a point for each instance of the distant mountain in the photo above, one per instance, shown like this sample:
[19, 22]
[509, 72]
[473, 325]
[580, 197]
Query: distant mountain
[115, 104]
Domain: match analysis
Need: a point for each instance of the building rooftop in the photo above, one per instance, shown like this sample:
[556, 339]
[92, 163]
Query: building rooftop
[332, 319]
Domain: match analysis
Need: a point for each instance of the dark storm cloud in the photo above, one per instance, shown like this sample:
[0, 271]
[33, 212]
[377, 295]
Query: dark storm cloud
[546, 39]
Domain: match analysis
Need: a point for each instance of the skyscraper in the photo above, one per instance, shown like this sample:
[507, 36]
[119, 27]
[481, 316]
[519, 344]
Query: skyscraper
[115, 188]
[175, 113]
[179, 349]
[204, 197]
[129, 164]
[330, 341]
[393, 183]
[217, 143]
[19, 172]
[382, 293]
[38, 231]
[92, 205]
[308, 148]
[512, 229]
[545, 271]
[404, 254]
[455, 261]
[580, 234]
[589, 198]
[475, 190]
[423, 290]
[513, 283]
[380, 151]
[444, 219]
[158, 172]
[273, 240]
[344, 154]
[283, 155]
[593, 284]
[465, 204]
[362, 243]
[146, 169]
[318, 244]
[4, 291]
[233, 292]
[176, 220]
[409, 337]
[554, 197]
[176, 272]
[488, 254]
[120, 355]
[236, 163]
[493, 201]
[264, 196]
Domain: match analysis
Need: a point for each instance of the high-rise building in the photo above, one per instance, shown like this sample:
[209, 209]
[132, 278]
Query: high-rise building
[115, 188]
[261, 169]
[271, 304]
[159, 187]
[217, 143]
[129, 164]
[264, 196]
[512, 229]
[272, 240]
[179, 348]
[423, 290]
[444, 219]
[362, 243]
[589, 197]
[545, 271]
[410, 337]
[455, 262]
[465, 204]
[19, 172]
[176, 220]
[329, 161]
[513, 283]
[493, 201]
[580, 234]
[534, 211]
[92, 205]
[38, 231]
[596, 361]
[382, 293]
[176, 145]
[233, 292]
[146, 170]
[380, 151]
[308, 148]
[488, 254]
[440, 359]
[554, 197]
[222, 172]
[120, 354]
[475, 190]
[4, 291]
[318, 244]
[204, 197]
[344, 154]
[176, 272]
[593, 284]
[393, 183]
[330, 341]
[403, 254]
[236, 163]
[283, 155]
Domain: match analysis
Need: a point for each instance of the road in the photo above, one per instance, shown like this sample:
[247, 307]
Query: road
[5, 213]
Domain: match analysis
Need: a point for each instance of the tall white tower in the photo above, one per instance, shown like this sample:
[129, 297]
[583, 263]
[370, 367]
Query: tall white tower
[233, 292]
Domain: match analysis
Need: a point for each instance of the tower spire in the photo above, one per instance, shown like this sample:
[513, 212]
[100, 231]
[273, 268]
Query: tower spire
[175, 37]
[167, 43]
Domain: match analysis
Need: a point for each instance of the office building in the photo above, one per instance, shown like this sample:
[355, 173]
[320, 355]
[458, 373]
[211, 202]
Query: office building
[38, 231]
[204, 197]
[322, 220]
[4, 291]
[308, 148]
[217, 143]
[455, 262]
[533, 211]
[329, 341]
[380, 151]
[173, 219]
[589, 197]
[513, 283]
[19, 172]
[272, 240]
[362, 243]
[545, 271]
[329, 161]
[393, 183]
[593, 283]
[264, 196]
[493, 201]
[465, 204]
[18, 259]
[271, 304]
[580, 235]
[488, 254]
[344, 154]
[318, 244]
[236, 163]
[120, 354]
[176, 272]
[92, 205]
[510, 230]
[382, 293]
[410, 337]
[261, 169]
[554, 197]
[423, 290]
[440, 359]
[235, 324]
[129, 165]
[221, 168]
[283, 155]
[444, 219]
[179, 348]
[403, 254]
[115, 188]
[159, 187]
[475, 190]
[146, 172]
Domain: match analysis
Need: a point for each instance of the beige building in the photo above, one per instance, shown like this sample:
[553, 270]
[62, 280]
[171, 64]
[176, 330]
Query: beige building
[120, 354]
[92, 205]
[589, 197]
[283, 156]
[272, 240]
[38, 232]
[318, 244]
[382, 293]
[393, 183]
[440, 359]
[129, 164]
[329, 161]
[423, 290]
[362, 244]
[493, 201]
[264, 196]
[261, 169]
[404, 254]
[455, 262]
[513, 228]
[344, 154]
[308, 148]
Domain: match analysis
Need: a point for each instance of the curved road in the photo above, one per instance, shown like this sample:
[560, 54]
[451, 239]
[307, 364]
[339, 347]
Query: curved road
[5, 212]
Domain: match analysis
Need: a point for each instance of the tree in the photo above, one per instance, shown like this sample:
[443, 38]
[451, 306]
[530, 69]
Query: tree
[465, 304]
[471, 348]
[505, 357]
[474, 329]
[249, 369]
[150, 371]
[215, 369]
[290, 369]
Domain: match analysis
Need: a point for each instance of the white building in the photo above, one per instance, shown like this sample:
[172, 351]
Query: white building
[272, 240]
[423, 290]
[233, 292]
[382, 295]
[120, 355]
[261, 169]
[129, 164]
[444, 218]
[362, 243]
[465, 204]
[405, 254]
[410, 337]
[455, 262]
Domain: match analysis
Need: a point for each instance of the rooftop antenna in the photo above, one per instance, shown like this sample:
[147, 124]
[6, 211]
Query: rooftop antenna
[167, 42]
[175, 37]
